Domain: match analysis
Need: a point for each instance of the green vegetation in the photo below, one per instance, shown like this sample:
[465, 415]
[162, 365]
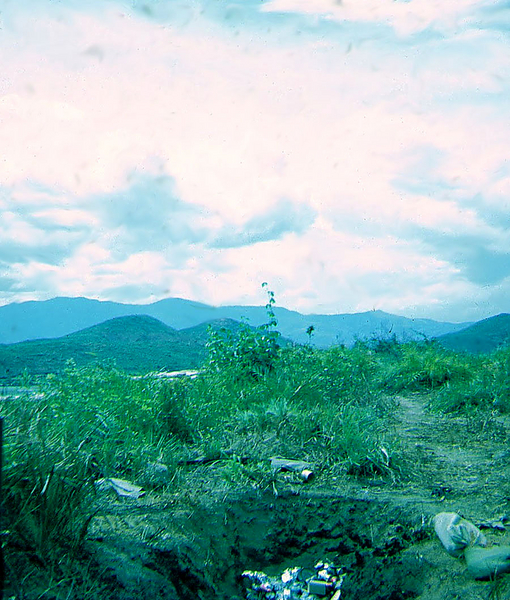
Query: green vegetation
[254, 399]
[138, 343]
[423, 367]
[481, 337]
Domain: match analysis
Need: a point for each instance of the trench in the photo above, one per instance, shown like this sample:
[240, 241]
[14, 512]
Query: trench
[205, 549]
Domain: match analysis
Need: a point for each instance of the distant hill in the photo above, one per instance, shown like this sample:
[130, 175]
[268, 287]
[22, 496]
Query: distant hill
[484, 336]
[136, 344]
[62, 316]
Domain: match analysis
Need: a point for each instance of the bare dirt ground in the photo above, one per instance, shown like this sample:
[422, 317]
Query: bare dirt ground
[379, 531]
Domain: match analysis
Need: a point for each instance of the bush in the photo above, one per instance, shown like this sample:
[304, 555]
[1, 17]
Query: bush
[250, 353]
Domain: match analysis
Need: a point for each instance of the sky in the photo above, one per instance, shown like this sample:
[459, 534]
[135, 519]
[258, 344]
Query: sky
[353, 154]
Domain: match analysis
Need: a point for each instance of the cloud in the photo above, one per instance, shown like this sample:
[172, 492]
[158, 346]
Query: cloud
[283, 218]
[90, 271]
[354, 154]
[472, 255]
[147, 215]
[7, 283]
[493, 16]
[405, 17]
[33, 228]
[331, 271]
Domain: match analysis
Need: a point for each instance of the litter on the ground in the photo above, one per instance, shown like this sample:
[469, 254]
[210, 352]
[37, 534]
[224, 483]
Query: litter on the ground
[498, 524]
[295, 583]
[121, 486]
[460, 537]
[457, 533]
[304, 469]
[486, 563]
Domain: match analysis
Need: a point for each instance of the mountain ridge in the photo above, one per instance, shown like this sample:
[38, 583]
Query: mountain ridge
[480, 337]
[56, 317]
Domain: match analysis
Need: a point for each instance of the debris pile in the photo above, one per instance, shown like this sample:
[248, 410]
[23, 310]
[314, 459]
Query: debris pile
[325, 581]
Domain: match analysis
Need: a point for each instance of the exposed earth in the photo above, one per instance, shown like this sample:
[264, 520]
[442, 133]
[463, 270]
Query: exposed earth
[164, 547]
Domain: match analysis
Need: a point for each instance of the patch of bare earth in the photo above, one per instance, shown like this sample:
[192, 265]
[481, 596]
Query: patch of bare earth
[196, 545]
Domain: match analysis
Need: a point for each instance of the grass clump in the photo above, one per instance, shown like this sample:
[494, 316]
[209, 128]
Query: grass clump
[425, 367]
[85, 424]
[486, 388]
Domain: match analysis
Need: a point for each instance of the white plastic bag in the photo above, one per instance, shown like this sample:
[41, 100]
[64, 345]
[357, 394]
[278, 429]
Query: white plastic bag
[456, 533]
[485, 563]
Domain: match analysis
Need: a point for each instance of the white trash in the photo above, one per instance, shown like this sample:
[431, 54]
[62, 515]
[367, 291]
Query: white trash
[456, 533]
[485, 563]
[121, 486]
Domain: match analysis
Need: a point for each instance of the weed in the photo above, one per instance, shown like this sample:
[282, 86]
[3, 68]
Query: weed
[249, 354]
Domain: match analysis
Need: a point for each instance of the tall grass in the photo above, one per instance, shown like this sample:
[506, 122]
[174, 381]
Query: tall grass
[486, 388]
[252, 401]
[87, 424]
[424, 367]
[455, 382]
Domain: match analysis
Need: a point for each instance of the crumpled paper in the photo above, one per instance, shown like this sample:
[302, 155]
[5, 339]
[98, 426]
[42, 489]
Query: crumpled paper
[123, 487]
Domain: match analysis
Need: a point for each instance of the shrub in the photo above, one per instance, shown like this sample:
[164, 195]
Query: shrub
[250, 353]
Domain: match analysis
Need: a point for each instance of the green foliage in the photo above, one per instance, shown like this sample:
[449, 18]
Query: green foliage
[486, 388]
[251, 352]
[46, 489]
[389, 346]
[425, 367]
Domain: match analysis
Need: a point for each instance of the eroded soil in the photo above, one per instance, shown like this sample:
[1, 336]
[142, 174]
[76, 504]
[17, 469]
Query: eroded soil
[160, 546]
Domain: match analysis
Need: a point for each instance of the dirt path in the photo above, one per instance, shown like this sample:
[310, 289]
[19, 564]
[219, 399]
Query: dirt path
[463, 461]
[196, 547]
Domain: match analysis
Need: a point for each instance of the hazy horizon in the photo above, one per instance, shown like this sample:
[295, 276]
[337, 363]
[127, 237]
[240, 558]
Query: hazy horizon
[259, 305]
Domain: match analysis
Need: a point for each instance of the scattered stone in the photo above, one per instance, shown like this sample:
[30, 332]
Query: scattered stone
[498, 524]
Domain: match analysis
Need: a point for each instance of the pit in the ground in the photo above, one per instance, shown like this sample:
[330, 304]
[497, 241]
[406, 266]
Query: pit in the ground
[202, 551]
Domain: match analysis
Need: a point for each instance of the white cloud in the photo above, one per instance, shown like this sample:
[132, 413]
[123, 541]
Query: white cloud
[406, 17]
[66, 217]
[327, 270]
[91, 102]
[15, 229]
